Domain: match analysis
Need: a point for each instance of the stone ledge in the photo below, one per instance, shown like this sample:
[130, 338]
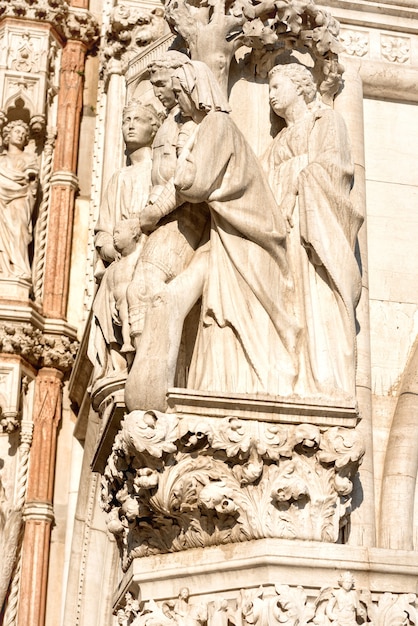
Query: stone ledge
[318, 411]
[225, 569]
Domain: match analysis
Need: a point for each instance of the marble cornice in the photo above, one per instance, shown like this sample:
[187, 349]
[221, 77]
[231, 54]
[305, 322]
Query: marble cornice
[376, 15]
[69, 22]
[268, 561]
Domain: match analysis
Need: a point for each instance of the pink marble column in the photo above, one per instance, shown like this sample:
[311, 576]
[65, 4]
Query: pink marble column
[64, 181]
[38, 513]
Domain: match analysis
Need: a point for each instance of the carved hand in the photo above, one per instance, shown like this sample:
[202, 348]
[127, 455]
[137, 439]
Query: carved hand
[150, 215]
[287, 208]
[108, 253]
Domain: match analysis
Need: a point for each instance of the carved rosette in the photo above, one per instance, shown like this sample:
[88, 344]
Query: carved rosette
[176, 483]
[276, 604]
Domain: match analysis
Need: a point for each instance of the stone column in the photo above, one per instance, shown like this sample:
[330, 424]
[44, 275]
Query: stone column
[38, 511]
[64, 181]
[401, 466]
[350, 104]
[113, 139]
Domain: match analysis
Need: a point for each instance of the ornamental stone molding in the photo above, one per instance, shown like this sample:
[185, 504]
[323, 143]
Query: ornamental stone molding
[280, 603]
[356, 43]
[395, 49]
[36, 347]
[69, 22]
[172, 484]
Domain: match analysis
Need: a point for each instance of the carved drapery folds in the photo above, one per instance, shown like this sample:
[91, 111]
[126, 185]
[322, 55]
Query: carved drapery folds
[176, 483]
[276, 604]
[245, 286]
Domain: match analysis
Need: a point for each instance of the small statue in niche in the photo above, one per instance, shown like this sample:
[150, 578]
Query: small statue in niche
[246, 338]
[344, 607]
[125, 197]
[18, 190]
[310, 171]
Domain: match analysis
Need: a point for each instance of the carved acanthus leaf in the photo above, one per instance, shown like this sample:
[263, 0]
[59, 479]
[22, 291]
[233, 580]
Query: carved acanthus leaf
[37, 348]
[280, 604]
[129, 30]
[69, 22]
[174, 483]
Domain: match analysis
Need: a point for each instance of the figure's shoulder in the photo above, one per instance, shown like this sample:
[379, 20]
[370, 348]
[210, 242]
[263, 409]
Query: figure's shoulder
[328, 116]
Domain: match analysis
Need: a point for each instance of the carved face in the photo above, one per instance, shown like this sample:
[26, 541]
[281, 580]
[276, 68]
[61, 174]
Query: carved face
[137, 129]
[122, 236]
[185, 103]
[347, 584]
[163, 87]
[18, 136]
[283, 94]
[184, 593]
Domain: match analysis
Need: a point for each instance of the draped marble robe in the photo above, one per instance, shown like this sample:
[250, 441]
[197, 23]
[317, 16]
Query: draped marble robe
[313, 156]
[247, 335]
[17, 200]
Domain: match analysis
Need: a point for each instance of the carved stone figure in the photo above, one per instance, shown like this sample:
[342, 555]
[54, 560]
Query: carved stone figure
[18, 188]
[170, 247]
[224, 615]
[125, 197]
[127, 243]
[344, 608]
[311, 174]
[246, 336]
[10, 524]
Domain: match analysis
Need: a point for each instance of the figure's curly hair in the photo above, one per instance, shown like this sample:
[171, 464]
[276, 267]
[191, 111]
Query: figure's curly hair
[9, 127]
[300, 76]
[171, 60]
[149, 111]
[133, 224]
[346, 576]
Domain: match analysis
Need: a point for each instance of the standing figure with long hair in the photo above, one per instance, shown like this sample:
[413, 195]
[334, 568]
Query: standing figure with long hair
[310, 171]
[18, 189]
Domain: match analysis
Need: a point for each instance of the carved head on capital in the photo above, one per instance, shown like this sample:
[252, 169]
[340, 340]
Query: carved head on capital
[346, 581]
